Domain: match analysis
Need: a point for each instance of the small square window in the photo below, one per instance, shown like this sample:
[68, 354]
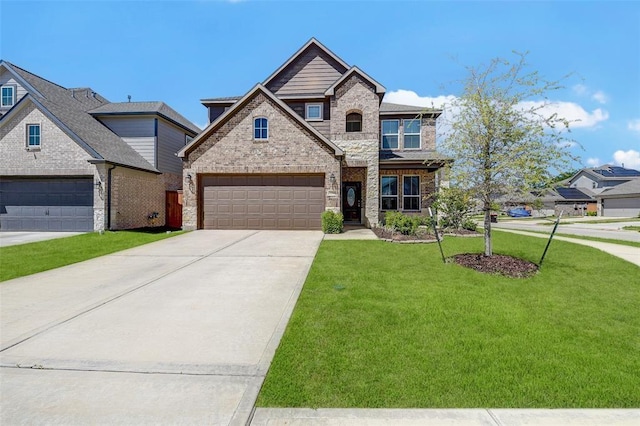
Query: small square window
[314, 112]
[33, 136]
[8, 96]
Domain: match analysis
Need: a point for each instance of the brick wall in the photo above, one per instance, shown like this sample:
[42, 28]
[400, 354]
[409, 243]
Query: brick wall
[231, 149]
[58, 153]
[135, 195]
[427, 187]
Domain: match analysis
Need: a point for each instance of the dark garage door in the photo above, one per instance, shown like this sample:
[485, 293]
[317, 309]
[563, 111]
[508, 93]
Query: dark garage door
[46, 204]
[262, 201]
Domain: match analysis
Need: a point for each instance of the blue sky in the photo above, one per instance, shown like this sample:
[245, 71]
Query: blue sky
[182, 51]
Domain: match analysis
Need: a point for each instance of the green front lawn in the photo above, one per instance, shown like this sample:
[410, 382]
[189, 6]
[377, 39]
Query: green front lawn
[26, 259]
[390, 325]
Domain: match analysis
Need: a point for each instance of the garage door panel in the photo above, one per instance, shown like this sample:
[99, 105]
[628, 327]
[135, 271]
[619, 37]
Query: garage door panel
[46, 204]
[262, 202]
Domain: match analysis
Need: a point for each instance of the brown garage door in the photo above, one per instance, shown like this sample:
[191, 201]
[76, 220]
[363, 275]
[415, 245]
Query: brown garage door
[262, 201]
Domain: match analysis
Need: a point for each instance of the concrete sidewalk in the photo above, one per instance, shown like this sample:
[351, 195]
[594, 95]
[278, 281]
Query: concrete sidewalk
[444, 417]
[628, 253]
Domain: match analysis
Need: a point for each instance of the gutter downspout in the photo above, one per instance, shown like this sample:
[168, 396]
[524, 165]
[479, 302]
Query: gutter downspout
[109, 196]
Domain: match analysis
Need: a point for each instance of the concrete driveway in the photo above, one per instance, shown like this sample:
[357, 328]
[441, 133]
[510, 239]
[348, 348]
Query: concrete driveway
[181, 331]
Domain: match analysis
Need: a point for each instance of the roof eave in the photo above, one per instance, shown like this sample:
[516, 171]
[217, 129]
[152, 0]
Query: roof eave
[103, 161]
[380, 89]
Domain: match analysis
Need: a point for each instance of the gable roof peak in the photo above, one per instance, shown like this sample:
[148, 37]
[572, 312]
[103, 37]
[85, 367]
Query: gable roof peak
[312, 42]
[239, 104]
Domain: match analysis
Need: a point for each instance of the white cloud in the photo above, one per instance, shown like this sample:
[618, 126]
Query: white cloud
[577, 116]
[630, 159]
[408, 97]
[634, 125]
[593, 162]
[597, 95]
[600, 97]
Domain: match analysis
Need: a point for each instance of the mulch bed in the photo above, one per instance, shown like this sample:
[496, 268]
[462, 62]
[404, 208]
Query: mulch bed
[497, 264]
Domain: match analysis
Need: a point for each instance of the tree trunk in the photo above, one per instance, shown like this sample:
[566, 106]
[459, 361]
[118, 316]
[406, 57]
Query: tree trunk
[488, 250]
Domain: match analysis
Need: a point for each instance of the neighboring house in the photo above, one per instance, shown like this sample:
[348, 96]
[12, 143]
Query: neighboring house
[72, 161]
[314, 136]
[574, 202]
[598, 179]
[621, 201]
[615, 182]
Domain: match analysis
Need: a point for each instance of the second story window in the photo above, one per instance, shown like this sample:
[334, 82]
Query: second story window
[354, 122]
[33, 136]
[313, 112]
[411, 134]
[261, 128]
[8, 94]
[390, 134]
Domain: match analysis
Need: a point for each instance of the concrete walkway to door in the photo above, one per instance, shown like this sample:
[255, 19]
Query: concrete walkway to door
[181, 331]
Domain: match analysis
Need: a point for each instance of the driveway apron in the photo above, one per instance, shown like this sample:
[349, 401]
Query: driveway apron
[181, 331]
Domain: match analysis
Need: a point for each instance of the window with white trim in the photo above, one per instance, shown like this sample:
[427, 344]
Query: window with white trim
[313, 112]
[261, 128]
[8, 96]
[389, 199]
[390, 134]
[411, 192]
[33, 136]
[411, 133]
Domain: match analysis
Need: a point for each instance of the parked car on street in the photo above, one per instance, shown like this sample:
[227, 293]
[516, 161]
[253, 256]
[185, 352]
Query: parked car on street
[519, 212]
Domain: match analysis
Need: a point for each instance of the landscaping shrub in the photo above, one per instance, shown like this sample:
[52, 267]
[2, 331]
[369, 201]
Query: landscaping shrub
[332, 222]
[592, 214]
[469, 225]
[454, 206]
[405, 224]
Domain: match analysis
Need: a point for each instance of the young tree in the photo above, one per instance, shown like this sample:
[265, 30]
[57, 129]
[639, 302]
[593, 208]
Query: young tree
[504, 136]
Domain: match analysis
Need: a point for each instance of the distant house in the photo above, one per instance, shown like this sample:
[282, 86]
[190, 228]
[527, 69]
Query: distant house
[72, 161]
[613, 183]
[621, 201]
[314, 136]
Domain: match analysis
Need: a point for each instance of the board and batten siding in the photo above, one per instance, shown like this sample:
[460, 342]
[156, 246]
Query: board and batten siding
[171, 139]
[313, 72]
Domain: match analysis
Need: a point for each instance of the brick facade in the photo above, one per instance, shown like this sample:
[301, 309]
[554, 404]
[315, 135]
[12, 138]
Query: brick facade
[357, 95]
[427, 187]
[290, 149]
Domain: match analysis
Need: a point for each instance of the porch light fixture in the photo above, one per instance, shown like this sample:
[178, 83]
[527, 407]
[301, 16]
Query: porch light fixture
[188, 178]
[98, 184]
[332, 179]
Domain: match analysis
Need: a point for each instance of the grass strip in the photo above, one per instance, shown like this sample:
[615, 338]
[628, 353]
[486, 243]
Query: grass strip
[26, 259]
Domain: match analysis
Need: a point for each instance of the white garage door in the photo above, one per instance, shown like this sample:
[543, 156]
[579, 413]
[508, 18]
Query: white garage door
[621, 207]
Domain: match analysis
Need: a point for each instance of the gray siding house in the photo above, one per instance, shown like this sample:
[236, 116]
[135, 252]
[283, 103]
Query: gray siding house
[314, 136]
[71, 160]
